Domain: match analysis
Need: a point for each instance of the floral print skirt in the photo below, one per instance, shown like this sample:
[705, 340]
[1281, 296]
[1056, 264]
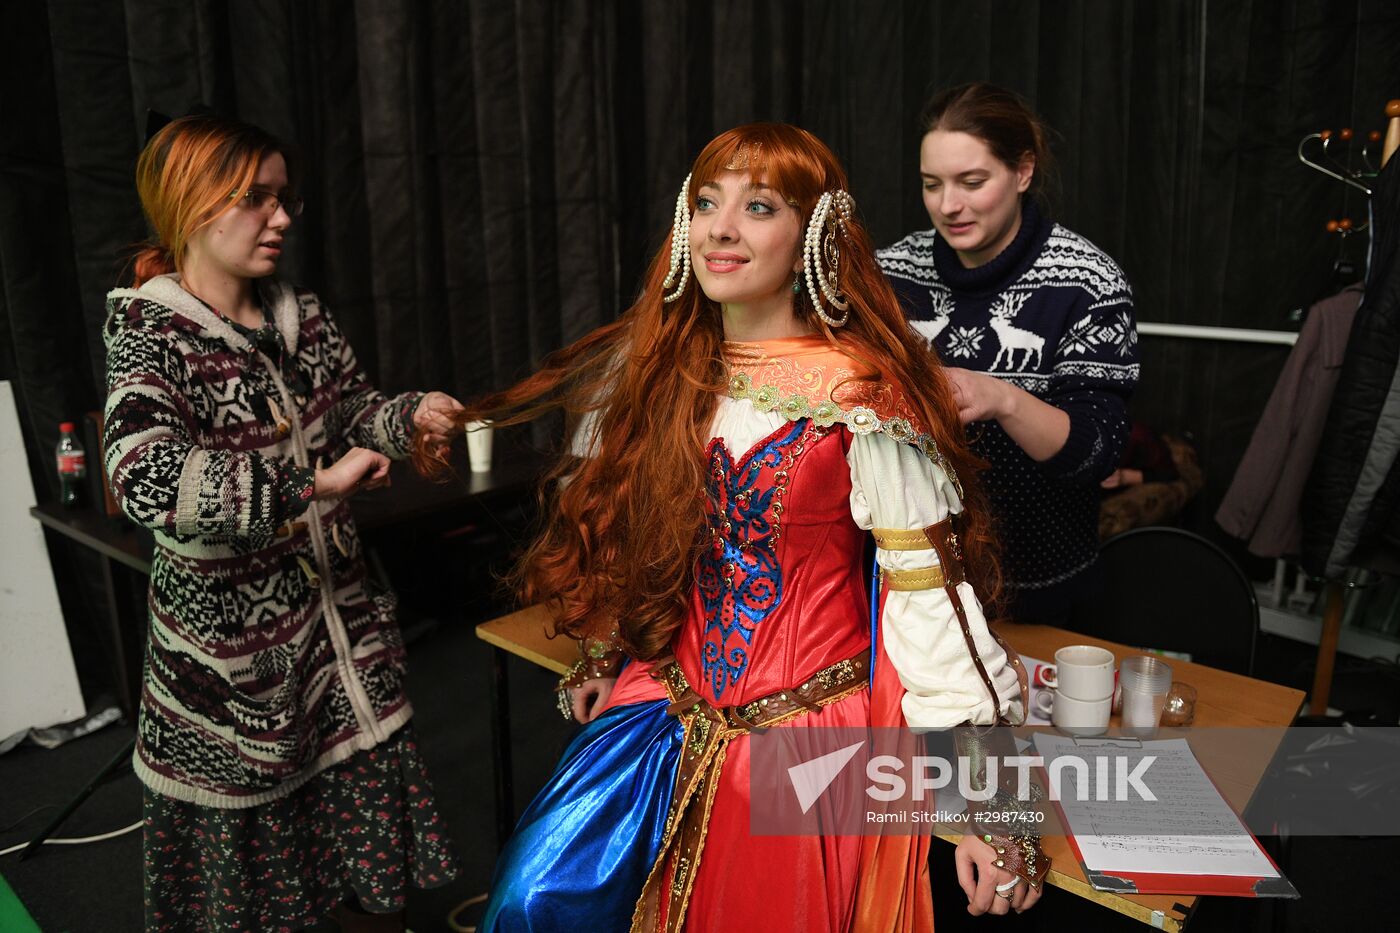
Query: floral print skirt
[367, 828]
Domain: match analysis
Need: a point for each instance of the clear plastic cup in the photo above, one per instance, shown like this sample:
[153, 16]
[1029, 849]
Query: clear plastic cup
[1146, 681]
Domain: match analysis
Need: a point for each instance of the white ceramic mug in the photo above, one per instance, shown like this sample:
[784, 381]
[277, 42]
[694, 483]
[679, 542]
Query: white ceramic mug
[479, 446]
[1078, 717]
[1083, 672]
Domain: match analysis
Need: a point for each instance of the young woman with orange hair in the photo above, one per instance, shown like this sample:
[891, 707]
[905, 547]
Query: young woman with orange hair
[740, 429]
[282, 777]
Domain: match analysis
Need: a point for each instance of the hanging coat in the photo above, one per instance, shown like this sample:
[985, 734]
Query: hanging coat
[1349, 509]
[1263, 503]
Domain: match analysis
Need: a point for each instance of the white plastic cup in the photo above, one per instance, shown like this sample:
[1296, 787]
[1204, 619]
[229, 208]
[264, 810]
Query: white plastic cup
[1146, 682]
[479, 445]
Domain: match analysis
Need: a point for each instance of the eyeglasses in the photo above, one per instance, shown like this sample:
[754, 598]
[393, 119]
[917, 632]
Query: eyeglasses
[266, 202]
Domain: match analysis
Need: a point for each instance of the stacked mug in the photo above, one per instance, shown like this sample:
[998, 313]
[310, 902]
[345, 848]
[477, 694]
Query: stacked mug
[1082, 680]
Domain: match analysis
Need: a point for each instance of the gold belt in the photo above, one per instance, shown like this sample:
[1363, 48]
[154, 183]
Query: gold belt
[708, 732]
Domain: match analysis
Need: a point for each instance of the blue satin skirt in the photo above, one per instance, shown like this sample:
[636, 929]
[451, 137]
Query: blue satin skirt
[583, 849]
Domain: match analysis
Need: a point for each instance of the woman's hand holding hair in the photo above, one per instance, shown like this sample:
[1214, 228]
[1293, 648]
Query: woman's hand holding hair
[1038, 428]
[979, 397]
[358, 470]
[983, 892]
[433, 417]
[589, 698]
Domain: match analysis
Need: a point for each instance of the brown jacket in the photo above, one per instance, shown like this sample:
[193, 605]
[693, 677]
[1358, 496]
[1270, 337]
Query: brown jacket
[1262, 504]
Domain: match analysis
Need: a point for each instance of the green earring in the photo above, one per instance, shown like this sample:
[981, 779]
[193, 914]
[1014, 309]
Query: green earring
[797, 283]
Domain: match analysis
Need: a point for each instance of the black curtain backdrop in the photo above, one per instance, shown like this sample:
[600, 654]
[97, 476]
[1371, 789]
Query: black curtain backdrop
[486, 181]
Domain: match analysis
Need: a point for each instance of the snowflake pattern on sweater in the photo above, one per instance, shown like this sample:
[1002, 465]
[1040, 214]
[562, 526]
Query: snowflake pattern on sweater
[1053, 315]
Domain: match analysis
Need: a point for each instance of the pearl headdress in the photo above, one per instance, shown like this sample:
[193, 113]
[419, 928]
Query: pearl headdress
[821, 254]
[679, 273]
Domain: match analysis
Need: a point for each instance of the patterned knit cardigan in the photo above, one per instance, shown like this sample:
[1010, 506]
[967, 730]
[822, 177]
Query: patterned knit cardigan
[270, 654]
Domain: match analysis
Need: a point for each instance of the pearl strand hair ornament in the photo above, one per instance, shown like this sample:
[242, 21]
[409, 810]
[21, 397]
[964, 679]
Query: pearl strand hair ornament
[679, 272]
[821, 254]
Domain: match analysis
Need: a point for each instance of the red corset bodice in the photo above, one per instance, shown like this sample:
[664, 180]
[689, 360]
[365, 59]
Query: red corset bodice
[780, 590]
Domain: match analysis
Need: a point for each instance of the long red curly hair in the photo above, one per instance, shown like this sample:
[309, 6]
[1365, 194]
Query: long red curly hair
[623, 527]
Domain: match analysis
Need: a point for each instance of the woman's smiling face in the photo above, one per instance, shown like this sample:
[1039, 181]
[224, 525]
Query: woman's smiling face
[745, 242]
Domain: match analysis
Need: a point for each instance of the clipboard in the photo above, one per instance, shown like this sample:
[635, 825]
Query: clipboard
[1166, 883]
[1145, 882]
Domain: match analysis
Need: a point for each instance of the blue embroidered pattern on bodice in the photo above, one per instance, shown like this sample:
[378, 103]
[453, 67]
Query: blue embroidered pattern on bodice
[739, 578]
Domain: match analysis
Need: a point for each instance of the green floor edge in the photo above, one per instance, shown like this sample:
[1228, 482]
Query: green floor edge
[13, 917]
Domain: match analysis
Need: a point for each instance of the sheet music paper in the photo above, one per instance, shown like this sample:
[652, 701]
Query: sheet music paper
[1194, 831]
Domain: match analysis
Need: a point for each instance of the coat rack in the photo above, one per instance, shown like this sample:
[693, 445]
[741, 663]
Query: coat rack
[1332, 616]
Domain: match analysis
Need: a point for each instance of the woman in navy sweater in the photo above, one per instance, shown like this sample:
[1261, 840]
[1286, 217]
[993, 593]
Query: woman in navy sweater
[1036, 327]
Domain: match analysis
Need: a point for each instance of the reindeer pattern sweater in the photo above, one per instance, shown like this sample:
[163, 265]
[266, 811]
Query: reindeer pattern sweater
[1053, 315]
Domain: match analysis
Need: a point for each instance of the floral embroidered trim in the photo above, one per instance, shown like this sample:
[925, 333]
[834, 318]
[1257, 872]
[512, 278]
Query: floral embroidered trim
[860, 419]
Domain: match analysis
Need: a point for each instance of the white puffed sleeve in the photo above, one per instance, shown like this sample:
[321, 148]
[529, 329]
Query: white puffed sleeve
[895, 486]
[584, 441]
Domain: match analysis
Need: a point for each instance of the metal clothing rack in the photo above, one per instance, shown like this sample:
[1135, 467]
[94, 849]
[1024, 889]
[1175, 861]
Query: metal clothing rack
[1229, 334]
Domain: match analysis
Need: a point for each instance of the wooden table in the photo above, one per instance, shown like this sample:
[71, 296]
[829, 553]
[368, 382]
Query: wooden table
[525, 634]
[1223, 699]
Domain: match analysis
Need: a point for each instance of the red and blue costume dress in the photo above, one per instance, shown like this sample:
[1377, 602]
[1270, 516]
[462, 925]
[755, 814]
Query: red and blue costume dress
[805, 458]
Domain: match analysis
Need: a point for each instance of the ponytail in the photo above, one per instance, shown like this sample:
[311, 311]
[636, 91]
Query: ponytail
[151, 260]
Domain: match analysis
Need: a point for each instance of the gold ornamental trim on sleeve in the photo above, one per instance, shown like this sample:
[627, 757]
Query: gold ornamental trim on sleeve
[925, 578]
[898, 539]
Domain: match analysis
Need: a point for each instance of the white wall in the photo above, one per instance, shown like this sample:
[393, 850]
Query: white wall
[38, 683]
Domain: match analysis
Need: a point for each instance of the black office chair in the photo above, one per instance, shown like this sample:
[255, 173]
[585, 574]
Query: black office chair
[1172, 589]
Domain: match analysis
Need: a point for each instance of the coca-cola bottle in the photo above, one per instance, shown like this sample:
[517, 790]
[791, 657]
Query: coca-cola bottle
[72, 465]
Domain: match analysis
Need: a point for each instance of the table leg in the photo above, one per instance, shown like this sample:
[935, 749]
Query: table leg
[1327, 650]
[500, 741]
[127, 693]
